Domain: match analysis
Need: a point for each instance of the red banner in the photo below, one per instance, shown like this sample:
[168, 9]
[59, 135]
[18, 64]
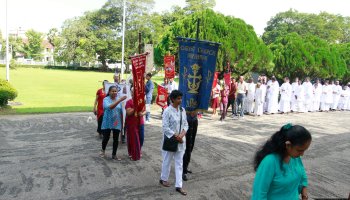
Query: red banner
[227, 78]
[162, 96]
[215, 81]
[138, 70]
[169, 66]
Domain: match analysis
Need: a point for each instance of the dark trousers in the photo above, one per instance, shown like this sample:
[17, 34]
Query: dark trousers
[99, 123]
[106, 135]
[141, 134]
[232, 103]
[123, 134]
[190, 138]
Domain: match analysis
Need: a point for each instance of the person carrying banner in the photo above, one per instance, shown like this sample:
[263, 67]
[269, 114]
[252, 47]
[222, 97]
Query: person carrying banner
[98, 107]
[174, 125]
[120, 91]
[111, 120]
[134, 129]
[149, 91]
[192, 120]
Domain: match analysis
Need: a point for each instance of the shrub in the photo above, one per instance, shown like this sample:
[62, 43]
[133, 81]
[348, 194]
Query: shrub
[7, 92]
[14, 64]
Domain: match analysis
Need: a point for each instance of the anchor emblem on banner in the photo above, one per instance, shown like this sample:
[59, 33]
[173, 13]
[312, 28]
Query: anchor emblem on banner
[194, 85]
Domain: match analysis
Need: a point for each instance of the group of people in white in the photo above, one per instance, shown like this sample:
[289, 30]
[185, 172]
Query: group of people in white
[269, 97]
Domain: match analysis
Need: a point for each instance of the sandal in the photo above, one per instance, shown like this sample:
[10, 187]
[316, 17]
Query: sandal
[164, 183]
[116, 158]
[181, 191]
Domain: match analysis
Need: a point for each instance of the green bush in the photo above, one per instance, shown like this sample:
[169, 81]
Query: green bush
[14, 64]
[7, 92]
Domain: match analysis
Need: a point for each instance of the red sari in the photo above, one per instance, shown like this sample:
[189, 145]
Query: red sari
[132, 129]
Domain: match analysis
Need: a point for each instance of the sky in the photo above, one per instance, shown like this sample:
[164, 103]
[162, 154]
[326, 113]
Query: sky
[41, 15]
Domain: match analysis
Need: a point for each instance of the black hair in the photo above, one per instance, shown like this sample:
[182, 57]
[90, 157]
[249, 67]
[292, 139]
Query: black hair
[110, 88]
[297, 135]
[175, 94]
[103, 82]
[149, 74]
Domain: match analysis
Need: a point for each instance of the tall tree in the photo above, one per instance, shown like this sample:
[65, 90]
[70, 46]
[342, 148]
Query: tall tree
[199, 5]
[295, 56]
[33, 47]
[16, 46]
[332, 28]
[75, 43]
[344, 50]
[239, 43]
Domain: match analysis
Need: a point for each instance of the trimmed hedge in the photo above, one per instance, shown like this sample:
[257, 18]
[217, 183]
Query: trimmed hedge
[7, 92]
[75, 68]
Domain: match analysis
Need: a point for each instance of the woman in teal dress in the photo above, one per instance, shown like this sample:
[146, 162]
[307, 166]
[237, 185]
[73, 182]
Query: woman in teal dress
[112, 120]
[280, 173]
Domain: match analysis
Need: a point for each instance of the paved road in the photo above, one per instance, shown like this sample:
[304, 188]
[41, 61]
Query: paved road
[55, 156]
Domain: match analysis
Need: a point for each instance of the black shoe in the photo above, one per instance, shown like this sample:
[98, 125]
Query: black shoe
[189, 171]
[184, 177]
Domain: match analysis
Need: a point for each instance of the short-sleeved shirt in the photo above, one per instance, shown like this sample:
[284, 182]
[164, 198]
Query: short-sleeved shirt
[100, 96]
[274, 183]
[242, 87]
[132, 119]
[112, 118]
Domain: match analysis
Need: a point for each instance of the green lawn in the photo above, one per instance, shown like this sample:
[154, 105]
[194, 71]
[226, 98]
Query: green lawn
[48, 90]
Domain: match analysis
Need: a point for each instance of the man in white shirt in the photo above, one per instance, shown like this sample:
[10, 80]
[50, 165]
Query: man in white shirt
[273, 92]
[171, 85]
[317, 96]
[336, 95]
[286, 93]
[344, 98]
[293, 103]
[250, 96]
[299, 96]
[241, 94]
[308, 92]
[327, 97]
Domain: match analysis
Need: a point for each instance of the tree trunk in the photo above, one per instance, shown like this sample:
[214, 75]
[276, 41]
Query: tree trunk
[104, 65]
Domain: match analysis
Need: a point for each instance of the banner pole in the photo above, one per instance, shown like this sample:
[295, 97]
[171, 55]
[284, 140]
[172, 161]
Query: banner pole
[197, 34]
[123, 39]
[139, 42]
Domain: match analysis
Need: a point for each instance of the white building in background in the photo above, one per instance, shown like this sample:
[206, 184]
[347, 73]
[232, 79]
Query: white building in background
[47, 53]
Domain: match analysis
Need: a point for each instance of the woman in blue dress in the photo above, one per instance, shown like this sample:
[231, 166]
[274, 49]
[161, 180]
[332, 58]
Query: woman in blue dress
[280, 173]
[112, 120]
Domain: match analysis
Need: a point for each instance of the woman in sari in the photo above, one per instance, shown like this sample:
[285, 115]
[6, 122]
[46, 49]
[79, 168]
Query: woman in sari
[134, 129]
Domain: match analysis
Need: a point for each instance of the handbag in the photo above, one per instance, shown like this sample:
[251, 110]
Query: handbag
[170, 144]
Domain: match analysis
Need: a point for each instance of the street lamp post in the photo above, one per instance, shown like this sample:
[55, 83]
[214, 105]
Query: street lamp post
[123, 36]
[7, 49]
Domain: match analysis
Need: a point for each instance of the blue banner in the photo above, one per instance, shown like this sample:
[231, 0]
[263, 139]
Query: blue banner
[197, 69]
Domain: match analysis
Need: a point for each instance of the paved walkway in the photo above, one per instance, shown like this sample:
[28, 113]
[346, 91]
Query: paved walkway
[55, 156]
